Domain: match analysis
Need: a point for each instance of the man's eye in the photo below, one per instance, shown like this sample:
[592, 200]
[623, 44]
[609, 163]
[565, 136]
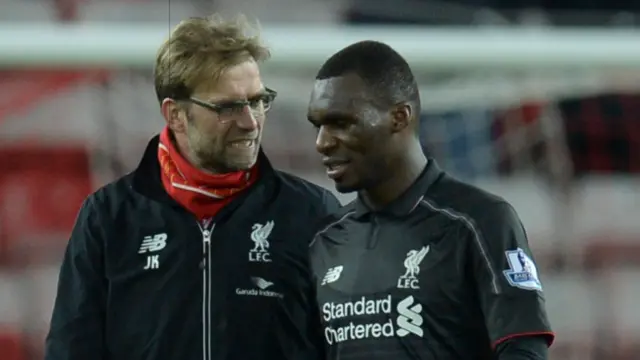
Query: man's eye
[341, 124]
[256, 103]
[230, 110]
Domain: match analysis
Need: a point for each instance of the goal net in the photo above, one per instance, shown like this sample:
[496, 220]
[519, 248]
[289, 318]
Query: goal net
[527, 115]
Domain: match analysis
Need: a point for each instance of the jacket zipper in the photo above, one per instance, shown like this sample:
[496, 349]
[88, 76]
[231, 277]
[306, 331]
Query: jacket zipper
[206, 229]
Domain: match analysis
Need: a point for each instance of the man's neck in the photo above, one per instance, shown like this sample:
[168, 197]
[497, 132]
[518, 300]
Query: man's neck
[405, 173]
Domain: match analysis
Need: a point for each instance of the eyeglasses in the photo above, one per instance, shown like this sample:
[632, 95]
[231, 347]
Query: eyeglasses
[258, 105]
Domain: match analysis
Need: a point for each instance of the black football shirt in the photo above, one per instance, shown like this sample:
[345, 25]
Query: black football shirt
[443, 273]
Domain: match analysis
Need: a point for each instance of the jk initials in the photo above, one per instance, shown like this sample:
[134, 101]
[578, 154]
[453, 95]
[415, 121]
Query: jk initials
[152, 262]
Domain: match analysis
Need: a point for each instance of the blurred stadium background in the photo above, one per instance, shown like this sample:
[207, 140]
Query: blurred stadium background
[538, 101]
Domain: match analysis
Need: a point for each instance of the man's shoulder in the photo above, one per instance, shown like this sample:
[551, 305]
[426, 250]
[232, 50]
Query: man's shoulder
[303, 190]
[337, 218]
[110, 197]
[460, 200]
[300, 185]
[102, 211]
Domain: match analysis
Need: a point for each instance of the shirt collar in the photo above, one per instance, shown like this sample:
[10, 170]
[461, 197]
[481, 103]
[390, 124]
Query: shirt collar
[405, 203]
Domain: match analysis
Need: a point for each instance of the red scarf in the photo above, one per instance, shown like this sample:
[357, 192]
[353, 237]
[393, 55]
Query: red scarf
[201, 193]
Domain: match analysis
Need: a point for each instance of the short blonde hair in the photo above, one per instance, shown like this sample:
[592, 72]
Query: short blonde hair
[199, 49]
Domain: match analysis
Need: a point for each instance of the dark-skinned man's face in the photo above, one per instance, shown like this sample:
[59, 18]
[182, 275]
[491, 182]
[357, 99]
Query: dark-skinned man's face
[353, 134]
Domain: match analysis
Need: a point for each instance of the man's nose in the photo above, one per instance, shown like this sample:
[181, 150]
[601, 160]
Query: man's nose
[247, 120]
[325, 141]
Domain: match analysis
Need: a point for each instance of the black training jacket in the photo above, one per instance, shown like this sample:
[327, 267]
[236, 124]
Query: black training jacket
[143, 279]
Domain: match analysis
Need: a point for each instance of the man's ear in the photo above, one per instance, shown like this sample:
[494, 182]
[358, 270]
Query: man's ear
[174, 115]
[401, 117]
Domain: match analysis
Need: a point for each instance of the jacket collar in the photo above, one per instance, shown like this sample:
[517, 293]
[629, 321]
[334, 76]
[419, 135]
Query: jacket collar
[147, 180]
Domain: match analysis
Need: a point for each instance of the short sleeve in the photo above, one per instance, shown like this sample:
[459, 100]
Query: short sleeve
[507, 280]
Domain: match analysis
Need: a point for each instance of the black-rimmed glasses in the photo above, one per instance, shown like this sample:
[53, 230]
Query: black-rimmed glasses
[258, 105]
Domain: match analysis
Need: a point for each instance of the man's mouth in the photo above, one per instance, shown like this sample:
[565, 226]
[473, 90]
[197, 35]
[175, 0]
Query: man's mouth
[335, 168]
[242, 144]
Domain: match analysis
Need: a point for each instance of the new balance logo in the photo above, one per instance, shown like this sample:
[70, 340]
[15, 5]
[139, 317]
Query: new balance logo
[332, 275]
[153, 244]
[409, 318]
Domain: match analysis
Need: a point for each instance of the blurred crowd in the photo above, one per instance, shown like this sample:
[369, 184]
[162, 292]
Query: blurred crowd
[494, 12]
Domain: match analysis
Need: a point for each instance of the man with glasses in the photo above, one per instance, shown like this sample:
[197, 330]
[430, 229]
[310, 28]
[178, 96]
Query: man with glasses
[201, 252]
